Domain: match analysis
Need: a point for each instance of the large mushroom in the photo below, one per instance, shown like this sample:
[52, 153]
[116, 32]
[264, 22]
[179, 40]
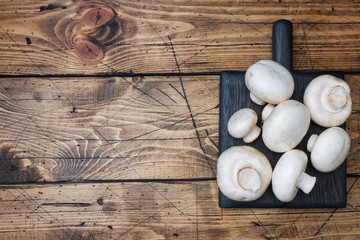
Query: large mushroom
[242, 124]
[329, 149]
[328, 100]
[285, 125]
[243, 173]
[289, 175]
[268, 81]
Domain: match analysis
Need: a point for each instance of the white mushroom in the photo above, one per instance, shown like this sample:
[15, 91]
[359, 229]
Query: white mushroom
[266, 111]
[285, 126]
[243, 173]
[268, 81]
[289, 175]
[328, 100]
[242, 124]
[329, 149]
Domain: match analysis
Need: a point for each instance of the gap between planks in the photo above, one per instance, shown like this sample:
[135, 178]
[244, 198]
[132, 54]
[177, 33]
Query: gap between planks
[167, 181]
[121, 74]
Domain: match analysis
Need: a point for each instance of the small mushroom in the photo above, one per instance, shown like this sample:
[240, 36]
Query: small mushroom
[268, 81]
[329, 149]
[285, 125]
[243, 173]
[328, 100]
[289, 175]
[242, 124]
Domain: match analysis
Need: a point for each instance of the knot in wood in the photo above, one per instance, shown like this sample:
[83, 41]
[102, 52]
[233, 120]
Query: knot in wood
[96, 17]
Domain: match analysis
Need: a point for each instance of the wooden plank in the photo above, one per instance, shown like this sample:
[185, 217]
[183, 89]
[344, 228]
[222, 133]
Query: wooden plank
[114, 128]
[108, 128]
[168, 210]
[148, 36]
[353, 126]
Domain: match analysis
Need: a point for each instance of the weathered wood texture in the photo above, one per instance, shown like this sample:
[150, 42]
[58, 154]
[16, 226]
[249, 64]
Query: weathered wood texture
[353, 126]
[115, 128]
[109, 128]
[173, 210]
[161, 36]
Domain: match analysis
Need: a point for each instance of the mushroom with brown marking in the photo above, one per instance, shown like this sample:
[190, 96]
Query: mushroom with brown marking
[269, 82]
[328, 100]
[329, 149]
[243, 173]
[242, 124]
[285, 125]
[289, 175]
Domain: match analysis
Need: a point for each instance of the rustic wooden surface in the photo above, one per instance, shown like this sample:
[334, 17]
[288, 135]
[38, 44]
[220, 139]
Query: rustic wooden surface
[161, 210]
[43, 37]
[101, 138]
[109, 128]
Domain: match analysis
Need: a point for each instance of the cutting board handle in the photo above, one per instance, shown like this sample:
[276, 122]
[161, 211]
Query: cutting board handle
[282, 43]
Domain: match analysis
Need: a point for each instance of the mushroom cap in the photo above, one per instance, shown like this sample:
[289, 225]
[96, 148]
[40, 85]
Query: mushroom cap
[328, 100]
[242, 122]
[330, 149]
[243, 173]
[286, 174]
[269, 81]
[286, 126]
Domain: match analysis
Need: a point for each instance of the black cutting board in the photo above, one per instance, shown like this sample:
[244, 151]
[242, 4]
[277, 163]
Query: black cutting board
[330, 188]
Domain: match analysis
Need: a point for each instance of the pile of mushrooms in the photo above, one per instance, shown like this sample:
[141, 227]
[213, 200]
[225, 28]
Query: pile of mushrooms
[244, 173]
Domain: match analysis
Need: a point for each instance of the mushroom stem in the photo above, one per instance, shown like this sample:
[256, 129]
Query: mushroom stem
[306, 182]
[266, 111]
[334, 99]
[249, 179]
[256, 100]
[311, 142]
[252, 135]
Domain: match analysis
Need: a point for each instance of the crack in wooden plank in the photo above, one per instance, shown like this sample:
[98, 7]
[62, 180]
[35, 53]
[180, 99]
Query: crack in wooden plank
[241, 21]
[292, 224]
[261, 225]
[110, 140]
[305, 38]
[188, 105]
[177, 90]
[212, 141]
[166, 95]
[194, 55]
[333, 212]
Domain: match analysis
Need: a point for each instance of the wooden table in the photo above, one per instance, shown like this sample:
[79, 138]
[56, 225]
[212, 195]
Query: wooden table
[109, 115]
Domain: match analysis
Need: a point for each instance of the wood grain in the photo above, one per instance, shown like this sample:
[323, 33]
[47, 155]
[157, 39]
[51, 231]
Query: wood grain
[148, 36]
[109, 128]
[113, 128]
[171, 210]
[353, 126]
